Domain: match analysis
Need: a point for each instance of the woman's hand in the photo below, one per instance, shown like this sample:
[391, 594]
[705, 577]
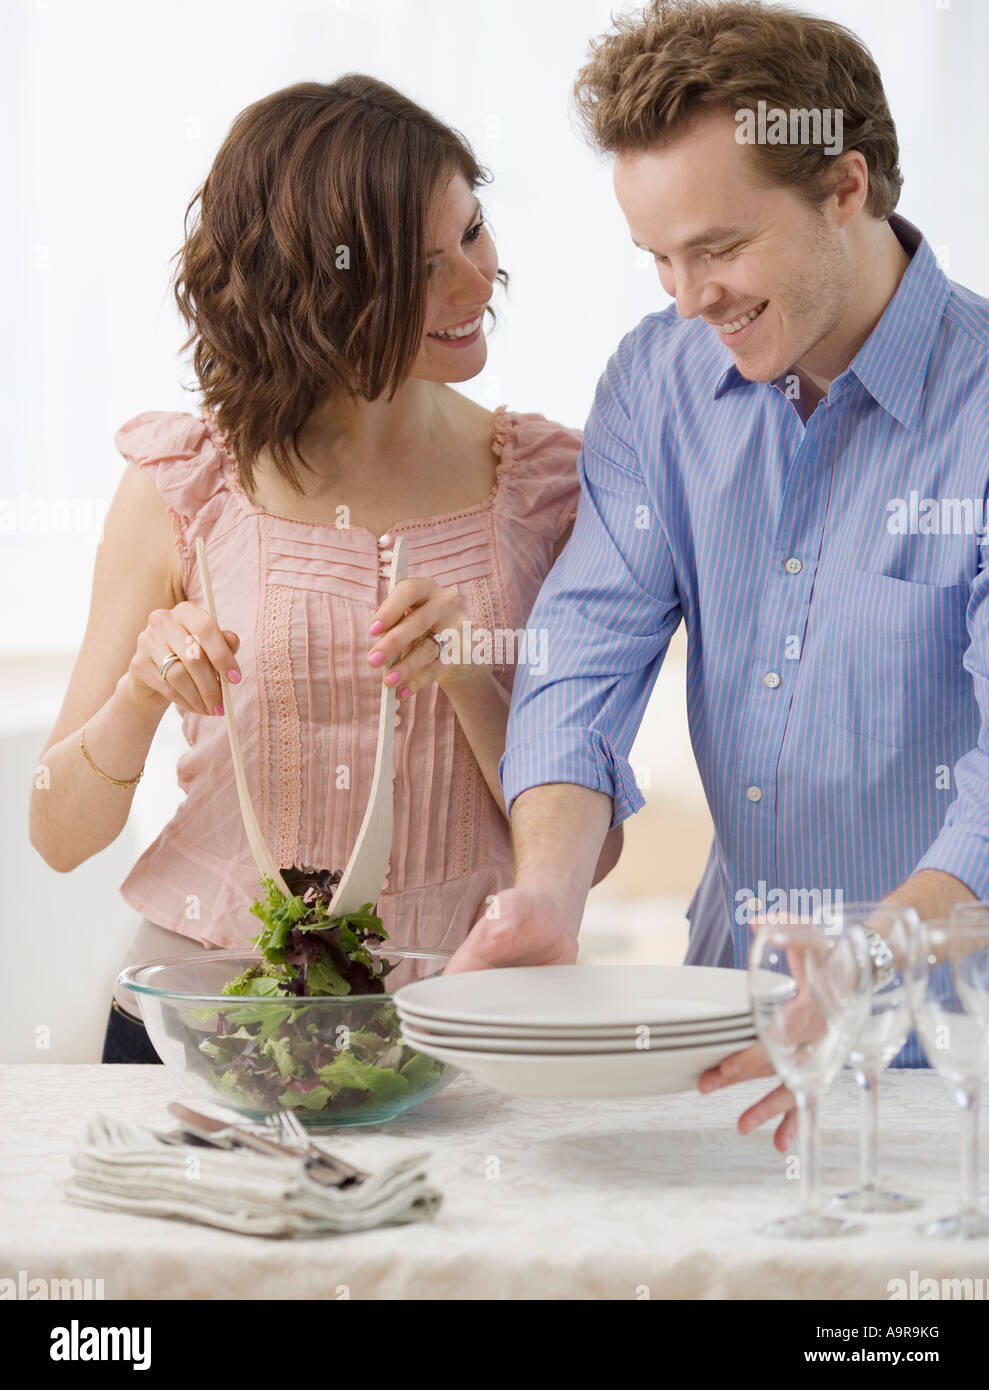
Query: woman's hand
[202, 649]
[403, 650]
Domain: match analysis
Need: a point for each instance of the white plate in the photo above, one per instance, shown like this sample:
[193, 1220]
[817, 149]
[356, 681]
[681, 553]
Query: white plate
[581, 996]
[607, 1076]
[684, 1032]
[415, 1037]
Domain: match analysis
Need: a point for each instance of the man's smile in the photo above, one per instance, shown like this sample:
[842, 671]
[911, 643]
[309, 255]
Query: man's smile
[736, 325]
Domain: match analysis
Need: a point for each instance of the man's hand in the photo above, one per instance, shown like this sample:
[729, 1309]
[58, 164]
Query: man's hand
[522, 926]
[745, 1066]
[799, 1023]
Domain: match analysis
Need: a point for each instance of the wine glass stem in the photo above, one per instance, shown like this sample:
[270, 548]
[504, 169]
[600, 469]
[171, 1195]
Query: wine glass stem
[869, 1149]
[808, 1144]
[968, 1099]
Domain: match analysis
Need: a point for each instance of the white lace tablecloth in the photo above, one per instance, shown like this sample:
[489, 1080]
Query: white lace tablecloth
[541, 1200]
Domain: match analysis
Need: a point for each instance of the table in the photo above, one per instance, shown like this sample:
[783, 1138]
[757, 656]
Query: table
[622, 1199]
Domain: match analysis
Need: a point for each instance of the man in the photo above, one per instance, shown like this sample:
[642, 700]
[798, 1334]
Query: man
[753, 466]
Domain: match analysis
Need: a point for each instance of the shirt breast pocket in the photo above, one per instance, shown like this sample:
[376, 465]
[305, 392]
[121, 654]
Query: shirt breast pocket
[890, 666]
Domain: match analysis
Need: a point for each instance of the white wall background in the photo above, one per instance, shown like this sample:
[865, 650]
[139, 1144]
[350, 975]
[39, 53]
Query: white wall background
[115, 110]
[118, 109]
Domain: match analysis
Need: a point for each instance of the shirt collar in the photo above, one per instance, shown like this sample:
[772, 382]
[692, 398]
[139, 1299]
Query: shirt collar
[892, 362]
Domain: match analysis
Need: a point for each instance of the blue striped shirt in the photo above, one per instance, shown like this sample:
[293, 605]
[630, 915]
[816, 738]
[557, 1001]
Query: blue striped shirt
[830, 576]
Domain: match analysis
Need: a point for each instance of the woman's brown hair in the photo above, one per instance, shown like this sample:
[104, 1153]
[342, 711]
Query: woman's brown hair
[665, 65]
[305, 274]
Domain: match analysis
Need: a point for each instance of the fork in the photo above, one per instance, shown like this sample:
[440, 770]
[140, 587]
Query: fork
[294, 1132]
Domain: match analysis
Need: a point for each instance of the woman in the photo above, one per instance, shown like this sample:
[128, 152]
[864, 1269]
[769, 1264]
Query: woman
[334, 285]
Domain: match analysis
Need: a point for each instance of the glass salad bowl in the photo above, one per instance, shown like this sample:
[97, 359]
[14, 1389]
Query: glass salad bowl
[333, 1059]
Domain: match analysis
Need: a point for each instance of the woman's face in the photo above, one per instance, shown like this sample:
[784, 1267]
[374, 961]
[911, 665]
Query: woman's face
[461, 268]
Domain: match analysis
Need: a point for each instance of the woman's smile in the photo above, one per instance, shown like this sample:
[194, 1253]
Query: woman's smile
[459, 334]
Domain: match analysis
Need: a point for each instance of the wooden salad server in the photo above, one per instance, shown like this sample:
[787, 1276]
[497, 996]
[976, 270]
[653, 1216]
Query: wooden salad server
[367, 866]
[263, 856]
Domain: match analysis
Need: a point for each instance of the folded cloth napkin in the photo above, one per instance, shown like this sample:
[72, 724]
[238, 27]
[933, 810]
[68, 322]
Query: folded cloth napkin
[127, 1167]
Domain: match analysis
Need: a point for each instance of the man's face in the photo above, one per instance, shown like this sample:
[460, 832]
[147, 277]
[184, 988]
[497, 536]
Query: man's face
[729, 245]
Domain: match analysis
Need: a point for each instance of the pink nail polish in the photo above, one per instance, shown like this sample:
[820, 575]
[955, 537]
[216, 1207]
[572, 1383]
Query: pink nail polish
[375, 627]
[404, 691]
[233, 677]
[217, 709]
[376, 658]
[393, 677]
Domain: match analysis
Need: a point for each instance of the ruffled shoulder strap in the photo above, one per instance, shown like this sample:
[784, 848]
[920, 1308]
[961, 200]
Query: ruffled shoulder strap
[537, 476]
[190, 470]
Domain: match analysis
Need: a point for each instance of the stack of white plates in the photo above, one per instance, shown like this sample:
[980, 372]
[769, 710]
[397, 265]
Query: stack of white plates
[581, 1031]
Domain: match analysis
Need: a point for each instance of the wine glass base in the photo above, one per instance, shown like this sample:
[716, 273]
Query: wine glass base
[872, 1200]
[956, 1227]
[810, 1227]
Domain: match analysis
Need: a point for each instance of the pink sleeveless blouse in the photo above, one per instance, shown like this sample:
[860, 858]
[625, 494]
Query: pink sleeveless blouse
[300, 596]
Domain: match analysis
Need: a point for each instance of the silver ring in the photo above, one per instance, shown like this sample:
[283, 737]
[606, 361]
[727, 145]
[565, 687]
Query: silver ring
[440, 641]
[166, 663]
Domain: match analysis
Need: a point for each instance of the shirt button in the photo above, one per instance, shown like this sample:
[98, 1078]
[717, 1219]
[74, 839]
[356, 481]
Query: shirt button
[793, 565]
[772, 679]
[754, 793]
[755, 904]
[384, 556]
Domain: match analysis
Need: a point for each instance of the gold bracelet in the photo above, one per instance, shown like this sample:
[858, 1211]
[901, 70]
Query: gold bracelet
[115, 780]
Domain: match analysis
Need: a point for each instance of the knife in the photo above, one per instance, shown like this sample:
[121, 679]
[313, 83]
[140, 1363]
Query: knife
[322, 1167]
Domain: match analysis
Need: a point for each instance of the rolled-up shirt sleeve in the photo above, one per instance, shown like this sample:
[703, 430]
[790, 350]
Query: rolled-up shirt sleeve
[601, 623]
[962, 845]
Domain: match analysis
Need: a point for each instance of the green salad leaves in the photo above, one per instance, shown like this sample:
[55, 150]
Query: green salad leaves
[307, 1056]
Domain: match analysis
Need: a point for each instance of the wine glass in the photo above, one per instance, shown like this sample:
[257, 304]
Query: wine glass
[975, 913]
[971, 913]
[952, 1017]
[898, 948]
[809, 987]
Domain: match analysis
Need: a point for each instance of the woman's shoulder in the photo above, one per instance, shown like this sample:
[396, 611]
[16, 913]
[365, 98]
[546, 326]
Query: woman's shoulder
[181, 451]
[538, 479]
[161, 433]
[518, 438]
[528, 437]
